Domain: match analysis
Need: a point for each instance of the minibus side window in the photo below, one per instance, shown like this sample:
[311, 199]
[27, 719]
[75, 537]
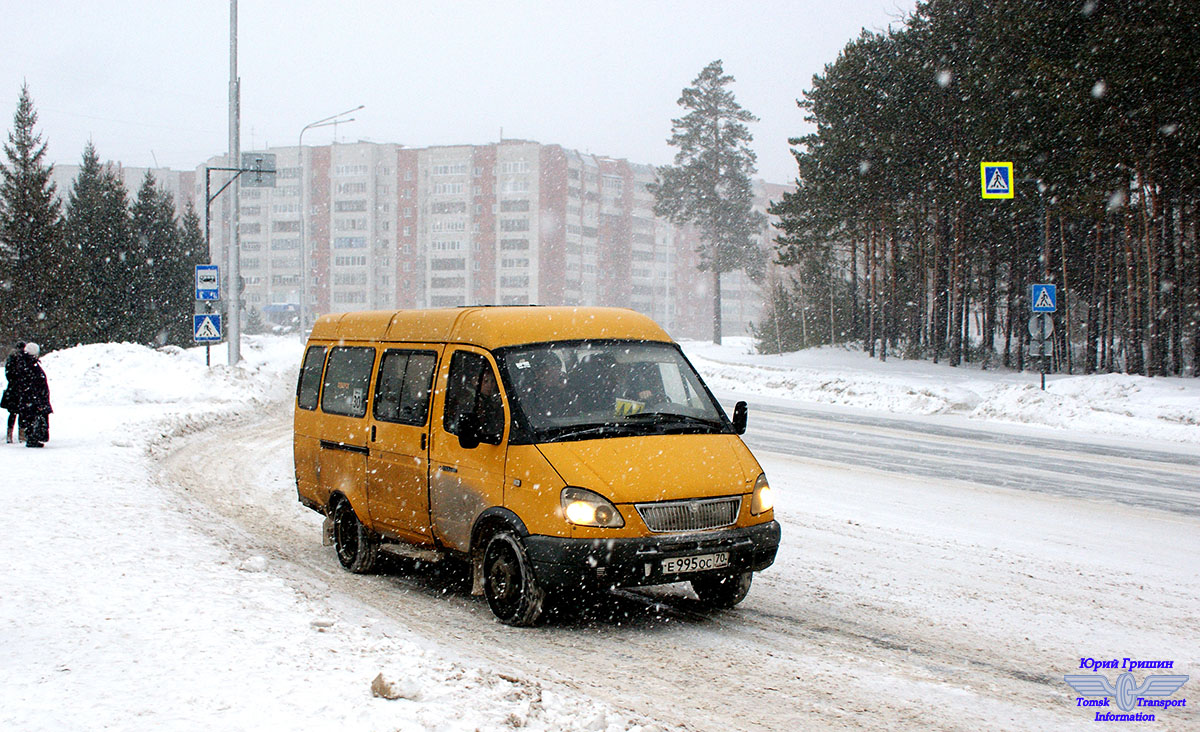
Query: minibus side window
[402, 389]
[418, 383]
[347, 379]
[473, 391]
[309, 386]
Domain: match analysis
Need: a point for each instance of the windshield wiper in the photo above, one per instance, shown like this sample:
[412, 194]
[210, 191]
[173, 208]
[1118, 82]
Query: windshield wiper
[587, 430]
[661, 418]
[659, 422]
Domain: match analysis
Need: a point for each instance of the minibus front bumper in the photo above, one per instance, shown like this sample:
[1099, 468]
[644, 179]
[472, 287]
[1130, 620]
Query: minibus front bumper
[583, 563]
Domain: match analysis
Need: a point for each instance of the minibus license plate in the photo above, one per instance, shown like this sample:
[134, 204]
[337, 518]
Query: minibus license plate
[699, 563]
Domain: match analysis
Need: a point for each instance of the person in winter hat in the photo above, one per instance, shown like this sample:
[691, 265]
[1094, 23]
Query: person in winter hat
[13, 366]
[33, 400]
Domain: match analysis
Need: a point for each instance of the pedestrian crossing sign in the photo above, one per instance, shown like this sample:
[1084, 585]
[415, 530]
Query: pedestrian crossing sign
[997, 179]
[206, 328]
[1043, 298]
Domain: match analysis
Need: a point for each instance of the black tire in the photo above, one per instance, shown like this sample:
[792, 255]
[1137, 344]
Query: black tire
[356, 548]
[722, 590]
[513, 592]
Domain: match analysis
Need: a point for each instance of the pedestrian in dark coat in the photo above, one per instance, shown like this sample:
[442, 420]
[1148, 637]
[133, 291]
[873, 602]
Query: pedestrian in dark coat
[12, 374]
[33, 400]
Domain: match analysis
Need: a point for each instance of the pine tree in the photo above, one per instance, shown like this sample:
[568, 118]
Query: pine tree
[99, 236]
[709, 184]
[1096, 107]
[31, 257]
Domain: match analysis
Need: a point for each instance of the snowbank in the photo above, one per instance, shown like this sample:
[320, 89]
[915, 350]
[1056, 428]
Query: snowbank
[1163, 408]
[118, 610]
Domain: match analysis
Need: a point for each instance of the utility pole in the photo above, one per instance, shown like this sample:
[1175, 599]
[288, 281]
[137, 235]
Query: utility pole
[234, 328]
[264, 175]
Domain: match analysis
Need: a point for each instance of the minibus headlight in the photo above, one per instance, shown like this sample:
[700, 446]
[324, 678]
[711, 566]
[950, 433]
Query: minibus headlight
[586, 508]
[761, 501]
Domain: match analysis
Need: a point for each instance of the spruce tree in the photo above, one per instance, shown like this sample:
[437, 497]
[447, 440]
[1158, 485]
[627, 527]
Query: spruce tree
[154, 262]
[98, 234]
[31, 257]
[190, 251]
[709, 184]
[254, 322]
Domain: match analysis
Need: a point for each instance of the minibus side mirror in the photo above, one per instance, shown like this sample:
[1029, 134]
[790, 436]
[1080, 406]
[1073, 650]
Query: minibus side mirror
[740, 412]
[477, 427]
[468, 432]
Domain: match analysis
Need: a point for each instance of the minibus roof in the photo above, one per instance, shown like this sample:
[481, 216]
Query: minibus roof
[488, 327]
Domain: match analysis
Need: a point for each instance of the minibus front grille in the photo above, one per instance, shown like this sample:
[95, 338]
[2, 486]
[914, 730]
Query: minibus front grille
[699, 514]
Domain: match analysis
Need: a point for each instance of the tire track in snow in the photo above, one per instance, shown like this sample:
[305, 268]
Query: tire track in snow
[776, 662]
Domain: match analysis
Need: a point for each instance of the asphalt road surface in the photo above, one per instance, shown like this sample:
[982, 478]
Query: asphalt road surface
[1149, 478]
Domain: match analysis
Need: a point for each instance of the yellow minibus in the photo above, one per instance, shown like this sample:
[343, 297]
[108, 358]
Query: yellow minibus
[556, 449]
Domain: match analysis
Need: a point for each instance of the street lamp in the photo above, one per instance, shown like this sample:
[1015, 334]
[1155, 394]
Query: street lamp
[305, 267]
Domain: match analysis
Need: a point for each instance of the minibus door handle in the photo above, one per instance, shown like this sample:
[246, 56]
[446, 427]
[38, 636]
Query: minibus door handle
[372, 433]
[422, 441]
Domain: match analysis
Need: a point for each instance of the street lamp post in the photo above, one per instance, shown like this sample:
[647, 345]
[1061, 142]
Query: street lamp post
[305, 265]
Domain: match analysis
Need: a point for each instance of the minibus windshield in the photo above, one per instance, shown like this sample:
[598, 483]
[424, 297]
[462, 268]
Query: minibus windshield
[591, 389]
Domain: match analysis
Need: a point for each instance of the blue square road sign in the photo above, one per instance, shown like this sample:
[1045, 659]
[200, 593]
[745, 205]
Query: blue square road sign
[997, 179]
[206, 328]
[1043, 298]
[208, 282]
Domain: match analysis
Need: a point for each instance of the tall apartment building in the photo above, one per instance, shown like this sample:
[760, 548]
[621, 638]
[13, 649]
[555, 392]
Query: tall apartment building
[348, 193]
[514, 222]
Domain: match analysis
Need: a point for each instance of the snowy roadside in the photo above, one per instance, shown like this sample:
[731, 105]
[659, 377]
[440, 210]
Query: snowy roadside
[1163, 409]
[118, 612]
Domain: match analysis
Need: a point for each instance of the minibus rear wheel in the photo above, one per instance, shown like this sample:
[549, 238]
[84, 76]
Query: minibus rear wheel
[723, 590]
[356, 548]
[512, 591]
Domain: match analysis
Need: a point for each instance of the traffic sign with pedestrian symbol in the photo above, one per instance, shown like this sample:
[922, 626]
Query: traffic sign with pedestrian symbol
[997, 179]
[206, 328]
[1043, 298]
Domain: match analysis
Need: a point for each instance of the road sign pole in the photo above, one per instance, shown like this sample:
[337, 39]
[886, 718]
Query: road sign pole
[208, 289]
[1043, 301]
[207, 347]
[1041, 329]
[263, 167]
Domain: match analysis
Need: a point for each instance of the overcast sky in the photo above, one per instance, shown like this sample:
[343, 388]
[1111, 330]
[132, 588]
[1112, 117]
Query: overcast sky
[147, 82]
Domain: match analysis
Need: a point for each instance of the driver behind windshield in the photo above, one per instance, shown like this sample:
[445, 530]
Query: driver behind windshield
[543, 384]
[569, 391]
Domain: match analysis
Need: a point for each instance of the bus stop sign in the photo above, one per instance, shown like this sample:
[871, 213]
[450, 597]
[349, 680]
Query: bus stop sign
[208, 282]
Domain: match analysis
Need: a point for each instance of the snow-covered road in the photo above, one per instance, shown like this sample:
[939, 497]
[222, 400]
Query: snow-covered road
[896, 602]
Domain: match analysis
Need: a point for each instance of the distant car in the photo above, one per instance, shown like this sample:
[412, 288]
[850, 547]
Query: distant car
[556, 449]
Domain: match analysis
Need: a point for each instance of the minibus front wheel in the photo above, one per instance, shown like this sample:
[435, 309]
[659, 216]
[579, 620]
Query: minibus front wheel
[513, 592]
[722, 590]
[356, 548]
